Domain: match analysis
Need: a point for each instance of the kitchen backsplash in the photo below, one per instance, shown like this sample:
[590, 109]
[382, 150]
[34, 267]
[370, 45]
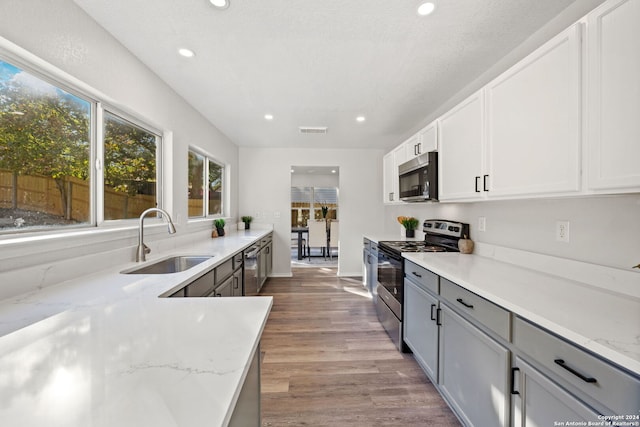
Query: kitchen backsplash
[604, 230]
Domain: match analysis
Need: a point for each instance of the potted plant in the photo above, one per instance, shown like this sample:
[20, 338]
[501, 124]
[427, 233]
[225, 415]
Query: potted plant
[247, 221]
[219, 225]
[410, 224]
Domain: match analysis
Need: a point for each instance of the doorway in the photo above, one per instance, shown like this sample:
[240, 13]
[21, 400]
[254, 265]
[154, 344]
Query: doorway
[315, 213]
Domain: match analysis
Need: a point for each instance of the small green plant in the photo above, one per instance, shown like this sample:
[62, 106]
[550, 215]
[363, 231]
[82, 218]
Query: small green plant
[247, 219]
[219, 223]
[408, 222]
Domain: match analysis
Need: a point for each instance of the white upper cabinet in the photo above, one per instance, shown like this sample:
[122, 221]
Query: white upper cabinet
[412, 148]
[422, 142]
[428, 138]
[613, 94]
[533, 122]
[389, 193]
[461, 133]
[390, 185]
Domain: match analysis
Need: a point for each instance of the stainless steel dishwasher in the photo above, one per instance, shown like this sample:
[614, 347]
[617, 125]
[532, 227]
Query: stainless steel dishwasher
[251, 269]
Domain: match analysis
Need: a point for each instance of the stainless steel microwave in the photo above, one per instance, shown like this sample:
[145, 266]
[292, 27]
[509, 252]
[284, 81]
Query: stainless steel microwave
[419, 178]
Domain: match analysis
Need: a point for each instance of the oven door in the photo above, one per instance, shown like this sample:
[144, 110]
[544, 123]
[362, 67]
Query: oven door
[390, 280]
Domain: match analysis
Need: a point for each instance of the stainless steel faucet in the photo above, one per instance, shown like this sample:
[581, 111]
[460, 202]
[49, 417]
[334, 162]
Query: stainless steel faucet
[143, 249]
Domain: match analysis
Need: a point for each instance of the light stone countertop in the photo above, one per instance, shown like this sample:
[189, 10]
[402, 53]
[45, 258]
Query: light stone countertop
[602, 321]
[105, 350]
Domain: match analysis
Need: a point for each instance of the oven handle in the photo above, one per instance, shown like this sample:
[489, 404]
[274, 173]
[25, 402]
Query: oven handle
[385, 252]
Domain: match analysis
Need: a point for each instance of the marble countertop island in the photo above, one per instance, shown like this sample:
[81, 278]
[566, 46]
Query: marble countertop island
[105, 350]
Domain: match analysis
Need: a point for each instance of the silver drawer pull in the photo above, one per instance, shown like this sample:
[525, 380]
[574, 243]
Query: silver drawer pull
[461, 301]
[574, 372]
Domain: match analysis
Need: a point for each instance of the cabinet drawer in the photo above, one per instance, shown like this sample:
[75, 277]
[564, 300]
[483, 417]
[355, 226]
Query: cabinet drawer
[224, 270]
[422, 277]
[608, 385]
[490, 315]
[237, 260]
[202, 286]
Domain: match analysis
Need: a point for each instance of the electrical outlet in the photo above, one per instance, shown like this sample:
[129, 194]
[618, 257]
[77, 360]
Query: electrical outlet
[562, 231]
[482, 223]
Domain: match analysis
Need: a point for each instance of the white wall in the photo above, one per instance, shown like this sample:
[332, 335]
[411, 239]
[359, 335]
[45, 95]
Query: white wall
[265, 194]
[604, 230]
[71, 46]
[312, 180]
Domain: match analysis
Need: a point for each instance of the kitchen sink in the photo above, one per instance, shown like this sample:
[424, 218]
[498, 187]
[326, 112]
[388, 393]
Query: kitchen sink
[174, 264]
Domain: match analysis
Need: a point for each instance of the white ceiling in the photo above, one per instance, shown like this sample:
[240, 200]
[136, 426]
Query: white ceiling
[320, 63]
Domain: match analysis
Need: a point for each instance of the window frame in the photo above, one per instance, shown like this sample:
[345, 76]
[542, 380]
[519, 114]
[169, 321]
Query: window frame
[205, 175]
[99, 104]
[100, 157]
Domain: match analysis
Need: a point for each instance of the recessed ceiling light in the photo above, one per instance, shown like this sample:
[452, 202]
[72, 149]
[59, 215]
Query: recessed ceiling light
[268, 117]
[361, 118]
[292, 171]
[220, 4]
[426, 8]
[187, 53]
[333, 171]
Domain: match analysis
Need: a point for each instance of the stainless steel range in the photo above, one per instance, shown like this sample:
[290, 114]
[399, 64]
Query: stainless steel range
[440, 236]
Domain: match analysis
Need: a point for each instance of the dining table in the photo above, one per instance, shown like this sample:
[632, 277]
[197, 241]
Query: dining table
[300, 231]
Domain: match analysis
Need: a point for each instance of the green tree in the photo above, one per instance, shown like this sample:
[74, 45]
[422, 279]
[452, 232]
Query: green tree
[130, 156]
[44, 133]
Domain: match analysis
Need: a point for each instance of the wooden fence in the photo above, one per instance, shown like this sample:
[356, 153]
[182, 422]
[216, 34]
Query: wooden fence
[40, 193]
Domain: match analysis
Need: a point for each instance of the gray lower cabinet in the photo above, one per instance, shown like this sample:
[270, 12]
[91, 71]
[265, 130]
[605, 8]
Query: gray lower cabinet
[236, 290]
[225, 289]
[202, 286]
[421, 327]
[473, 374]
[265, 260]
[495, 368]
[247, 412]
[538, 401]
[585, 377]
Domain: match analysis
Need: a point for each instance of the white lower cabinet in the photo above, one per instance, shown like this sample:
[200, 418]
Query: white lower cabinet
[473, 372]
[538, 401]
[421, 327]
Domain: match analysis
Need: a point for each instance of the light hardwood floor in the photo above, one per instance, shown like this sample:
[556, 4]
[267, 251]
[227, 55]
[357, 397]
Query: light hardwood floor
[326, 361]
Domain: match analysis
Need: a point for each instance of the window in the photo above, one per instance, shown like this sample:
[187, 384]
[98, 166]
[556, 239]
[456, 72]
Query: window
[205, 200]
[130, 175]
[44, 153]
[305, 200]
[47, 149]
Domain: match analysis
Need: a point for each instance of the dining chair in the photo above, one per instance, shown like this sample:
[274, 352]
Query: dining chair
[317, 236]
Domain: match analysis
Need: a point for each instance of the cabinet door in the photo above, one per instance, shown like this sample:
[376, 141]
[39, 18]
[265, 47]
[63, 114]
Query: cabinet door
[533, 121]
[613, 128]
[412, 148]
[202, 286]
[473, 372]
[428, 138]
[390, 179]
[269, 259]
[421, 328]
[225, 289]
[237, 289]
[537, 401]
[461, 148]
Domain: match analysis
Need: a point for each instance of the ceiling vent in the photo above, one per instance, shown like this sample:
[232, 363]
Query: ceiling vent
[316, 130]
